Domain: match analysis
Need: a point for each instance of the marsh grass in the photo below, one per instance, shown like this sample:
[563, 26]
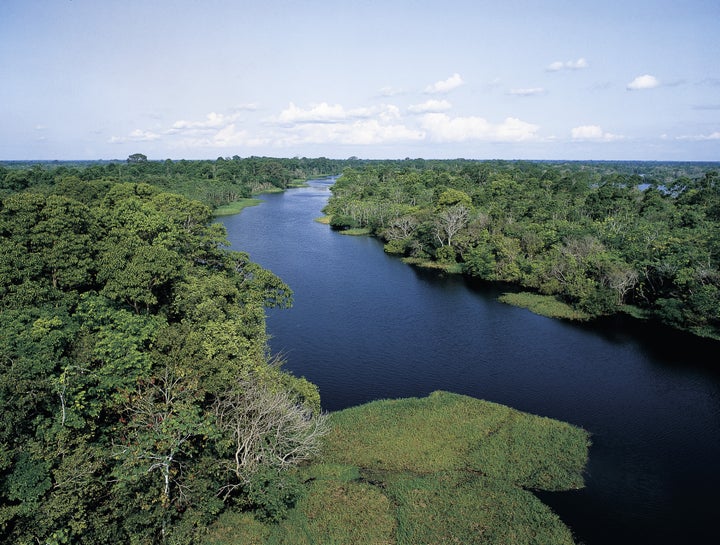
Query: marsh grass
[450, 268]
[544, 305]
[356, 232]
[459, 508]
[235, 207]
[442, 469]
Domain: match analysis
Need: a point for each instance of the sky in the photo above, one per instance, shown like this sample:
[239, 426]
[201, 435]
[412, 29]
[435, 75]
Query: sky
[390, 79]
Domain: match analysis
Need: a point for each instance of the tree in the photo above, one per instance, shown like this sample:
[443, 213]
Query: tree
[137, 158]
[269, 429]
[449, 221]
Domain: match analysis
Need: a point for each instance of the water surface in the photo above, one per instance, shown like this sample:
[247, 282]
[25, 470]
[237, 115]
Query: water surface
[366, 326]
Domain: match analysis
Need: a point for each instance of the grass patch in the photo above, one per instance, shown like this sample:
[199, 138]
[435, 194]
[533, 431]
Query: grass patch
[453, 508]
[445, 432]
[442, 469]
[356, 232]
[235, 207]
[544, 305]
[325, 220]
[450, 268]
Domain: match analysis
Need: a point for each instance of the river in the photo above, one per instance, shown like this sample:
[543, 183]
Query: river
[366, 326]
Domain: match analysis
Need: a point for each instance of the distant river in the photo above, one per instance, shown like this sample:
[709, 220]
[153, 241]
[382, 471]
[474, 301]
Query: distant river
[366, 326]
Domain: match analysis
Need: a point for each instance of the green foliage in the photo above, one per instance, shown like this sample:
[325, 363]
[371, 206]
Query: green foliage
[123, 321]
[456, 508]
[215, 183]
[596, 236]
[480, 262]
[271, 493]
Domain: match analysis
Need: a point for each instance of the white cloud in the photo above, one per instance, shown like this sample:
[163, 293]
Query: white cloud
[333, 124]
[568, 65]
[333, 113]
[594, 133]
[317, 113]
[430, 106]
[138, 135]
[212, 121]
[526, 92]
[700, 137]
[359, 132]
[643, 82]
[230, 136]
[443, 128]
[321, 123]
[371, 131]
[445, 86]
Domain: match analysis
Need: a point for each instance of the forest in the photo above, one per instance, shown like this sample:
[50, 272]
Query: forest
[597, 237]
[140, 400]
[214, 183]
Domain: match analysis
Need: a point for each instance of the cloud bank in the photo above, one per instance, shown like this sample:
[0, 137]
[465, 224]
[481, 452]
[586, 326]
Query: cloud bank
[443, 128]
[593, 133]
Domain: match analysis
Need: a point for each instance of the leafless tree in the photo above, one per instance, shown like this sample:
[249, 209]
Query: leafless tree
[268, 429]
[449, 222]
[622, 280]
[401, 228]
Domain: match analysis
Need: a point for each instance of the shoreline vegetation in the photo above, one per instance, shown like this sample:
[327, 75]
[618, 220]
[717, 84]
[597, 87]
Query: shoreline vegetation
[543, 305]
[235, 207]
[580, 240]
[445, 468]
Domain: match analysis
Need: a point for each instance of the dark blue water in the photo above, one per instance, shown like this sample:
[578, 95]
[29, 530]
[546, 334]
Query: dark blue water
[366, 326]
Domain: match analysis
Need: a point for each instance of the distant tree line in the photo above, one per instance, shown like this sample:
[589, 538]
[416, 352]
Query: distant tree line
[213, 182]
[603, 237]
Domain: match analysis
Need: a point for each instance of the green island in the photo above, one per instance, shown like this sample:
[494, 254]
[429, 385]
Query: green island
[442, 469]
[141, 403]
[235, 207]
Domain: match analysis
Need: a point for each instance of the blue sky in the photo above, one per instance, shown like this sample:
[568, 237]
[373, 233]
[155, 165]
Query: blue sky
[510, 79]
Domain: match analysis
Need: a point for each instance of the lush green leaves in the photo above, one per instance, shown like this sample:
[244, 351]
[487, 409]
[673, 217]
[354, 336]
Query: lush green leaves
[124, 322]
[597, 236]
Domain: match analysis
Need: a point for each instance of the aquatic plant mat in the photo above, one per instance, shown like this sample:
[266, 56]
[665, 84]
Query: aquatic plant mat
[544, 305]
[442, 469]
[235, 207]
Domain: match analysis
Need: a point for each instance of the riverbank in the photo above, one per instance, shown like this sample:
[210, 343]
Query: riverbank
[238, 206]
[445, 468]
